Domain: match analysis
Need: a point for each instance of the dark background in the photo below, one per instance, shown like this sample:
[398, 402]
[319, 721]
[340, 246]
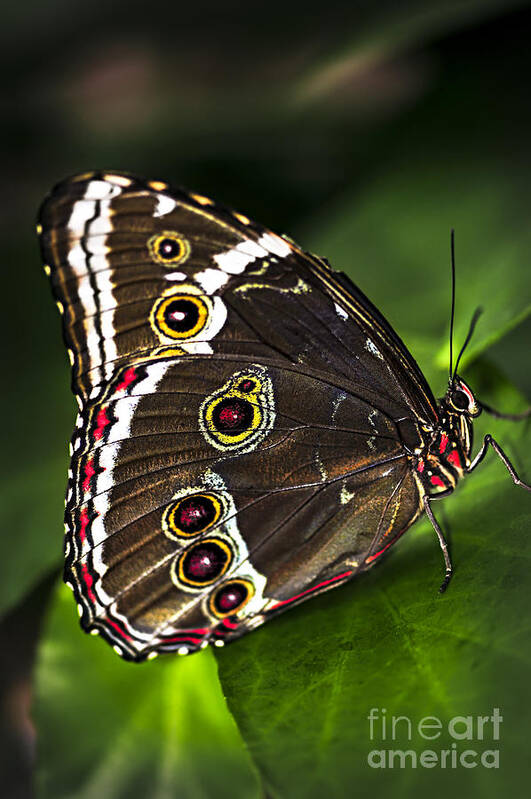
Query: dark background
[281, 111]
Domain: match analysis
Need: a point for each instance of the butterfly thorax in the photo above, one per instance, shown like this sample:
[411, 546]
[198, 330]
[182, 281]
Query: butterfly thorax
[447, 456]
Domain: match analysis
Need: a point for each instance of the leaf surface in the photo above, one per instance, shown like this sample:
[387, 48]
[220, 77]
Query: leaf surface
[113, 729]
[302, 687]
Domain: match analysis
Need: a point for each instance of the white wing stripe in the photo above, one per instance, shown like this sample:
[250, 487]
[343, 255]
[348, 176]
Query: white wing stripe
[89, 262]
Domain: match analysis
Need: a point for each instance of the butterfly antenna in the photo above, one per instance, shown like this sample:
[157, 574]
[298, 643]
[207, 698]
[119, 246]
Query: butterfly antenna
[452, 312]
[473, 323]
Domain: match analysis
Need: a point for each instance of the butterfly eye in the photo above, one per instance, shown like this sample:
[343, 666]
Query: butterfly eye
[231, 597]
[191, 515]
[169, 248]
[179, 316]
[460, 400]
[203, 563]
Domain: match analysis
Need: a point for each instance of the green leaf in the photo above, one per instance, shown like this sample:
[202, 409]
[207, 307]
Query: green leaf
[301, 688]
[113, 729]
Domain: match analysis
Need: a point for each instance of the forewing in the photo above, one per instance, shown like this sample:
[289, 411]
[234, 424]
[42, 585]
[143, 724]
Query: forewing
[225, 285]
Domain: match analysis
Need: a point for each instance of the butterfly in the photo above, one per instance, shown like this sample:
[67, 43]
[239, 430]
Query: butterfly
[251, 430]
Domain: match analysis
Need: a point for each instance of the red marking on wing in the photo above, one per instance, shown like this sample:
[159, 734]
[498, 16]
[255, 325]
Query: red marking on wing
[232, 415]
[389, 544]
[89, 582]
[454, 458]
[231, 625]
[186, 636]
[117, 628]
[102, 421]
[444, 442]
[380, 552]
[90, 471]
[436, 481]
[311, 590]
[420, 467]
[84, 519]
[177, 639]
[196, 630]
[128, 378]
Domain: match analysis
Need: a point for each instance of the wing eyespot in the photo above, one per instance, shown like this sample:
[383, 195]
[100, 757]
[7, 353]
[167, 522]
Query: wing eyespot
[246, 386]
[203, 563]
[232, 419]
[185, 314]
[241, 413]
[192, 515]
[230, 597]
[180, 316]
[169, 247]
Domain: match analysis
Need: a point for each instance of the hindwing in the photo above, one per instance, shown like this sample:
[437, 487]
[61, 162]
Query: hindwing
[286, 483]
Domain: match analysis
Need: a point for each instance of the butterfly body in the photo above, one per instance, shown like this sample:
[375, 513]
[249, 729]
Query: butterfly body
[251, 429]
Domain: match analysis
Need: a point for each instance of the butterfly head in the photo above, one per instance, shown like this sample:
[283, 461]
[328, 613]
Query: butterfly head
[452, 442]
[460, 399]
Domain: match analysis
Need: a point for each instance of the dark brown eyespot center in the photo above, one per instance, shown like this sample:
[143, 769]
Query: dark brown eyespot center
[246, 385]
[194, 514]
[169, 248]
[232, 416]
[181, 315]
[230, 597]
[204, 562]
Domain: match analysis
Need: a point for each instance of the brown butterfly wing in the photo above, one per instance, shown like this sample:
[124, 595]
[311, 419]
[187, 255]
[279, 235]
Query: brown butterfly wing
[183, 318]
[264, 296]
[303, 501]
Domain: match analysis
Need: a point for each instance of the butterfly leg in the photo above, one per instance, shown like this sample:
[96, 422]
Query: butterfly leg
[490, 441]
[442, 543]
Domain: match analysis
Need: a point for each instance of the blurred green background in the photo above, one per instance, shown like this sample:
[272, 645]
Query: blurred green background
[366, 131]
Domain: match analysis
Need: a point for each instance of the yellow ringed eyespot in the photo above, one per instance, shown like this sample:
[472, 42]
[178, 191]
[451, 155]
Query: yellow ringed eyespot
[179, 316]
[230, 597]
[232, 418]
[204, 562]
[169, 248]
[191, 515]
[241, 412]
